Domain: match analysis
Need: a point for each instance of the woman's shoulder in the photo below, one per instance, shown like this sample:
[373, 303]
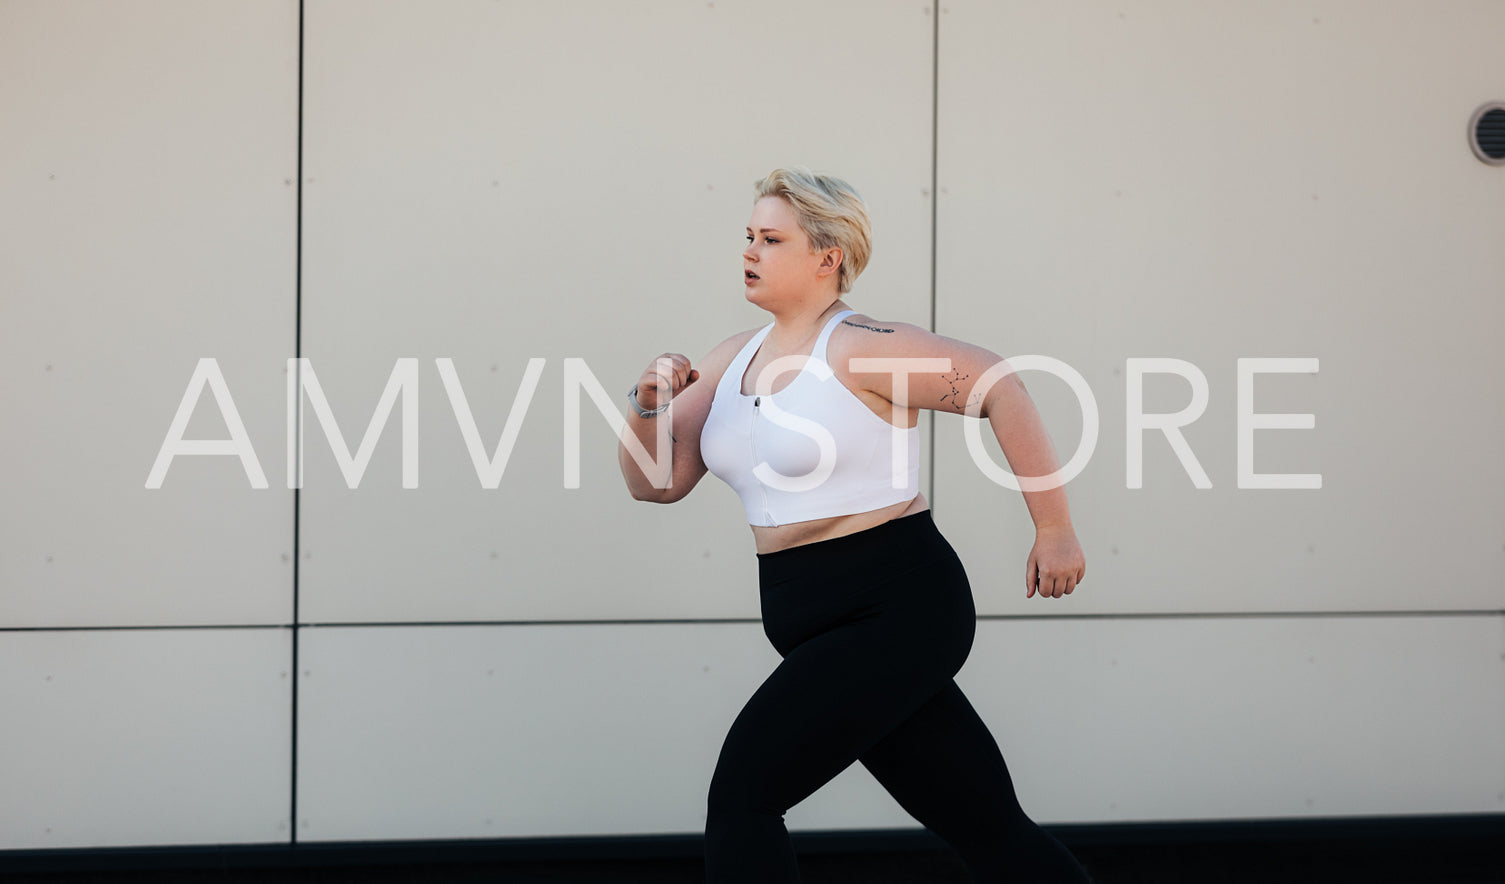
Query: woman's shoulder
[872, 324]
[739, 340]
[733, 344]
[861, 335]
[720, 356]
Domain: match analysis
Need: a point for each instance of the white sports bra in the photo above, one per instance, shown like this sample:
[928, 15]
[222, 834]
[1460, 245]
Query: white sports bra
[810, 451]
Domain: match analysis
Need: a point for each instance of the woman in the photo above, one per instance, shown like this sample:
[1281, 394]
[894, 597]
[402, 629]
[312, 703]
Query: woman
[863, 598]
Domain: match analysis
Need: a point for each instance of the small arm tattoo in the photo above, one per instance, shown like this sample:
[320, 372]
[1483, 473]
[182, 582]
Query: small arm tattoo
[886, 331]
[953, 378]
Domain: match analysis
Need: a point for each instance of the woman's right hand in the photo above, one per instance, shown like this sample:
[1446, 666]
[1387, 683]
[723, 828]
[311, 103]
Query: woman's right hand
[664, 379]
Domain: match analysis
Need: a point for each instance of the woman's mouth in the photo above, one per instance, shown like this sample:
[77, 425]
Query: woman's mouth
[749, 276]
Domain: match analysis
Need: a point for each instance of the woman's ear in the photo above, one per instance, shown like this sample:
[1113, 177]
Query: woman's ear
[830, 262]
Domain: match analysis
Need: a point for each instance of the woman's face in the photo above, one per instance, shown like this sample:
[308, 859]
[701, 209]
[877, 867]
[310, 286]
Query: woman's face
[777, 262]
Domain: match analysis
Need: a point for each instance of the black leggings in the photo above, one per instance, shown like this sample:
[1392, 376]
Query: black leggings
[872, 626]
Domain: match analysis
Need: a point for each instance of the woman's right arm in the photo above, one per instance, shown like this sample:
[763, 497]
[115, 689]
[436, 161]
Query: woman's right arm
[671, 378]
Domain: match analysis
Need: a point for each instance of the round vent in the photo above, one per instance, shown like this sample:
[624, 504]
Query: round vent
[1486, 133]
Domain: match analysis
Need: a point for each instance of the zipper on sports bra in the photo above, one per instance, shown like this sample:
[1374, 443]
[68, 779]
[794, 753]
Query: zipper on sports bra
[753, 443]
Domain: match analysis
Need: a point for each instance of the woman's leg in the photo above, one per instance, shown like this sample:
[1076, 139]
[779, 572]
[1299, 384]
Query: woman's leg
[944, 767]
[830, 701]
[872, 627]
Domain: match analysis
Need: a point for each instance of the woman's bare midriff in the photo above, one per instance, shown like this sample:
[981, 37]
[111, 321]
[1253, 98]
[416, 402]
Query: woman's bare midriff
[775, 538]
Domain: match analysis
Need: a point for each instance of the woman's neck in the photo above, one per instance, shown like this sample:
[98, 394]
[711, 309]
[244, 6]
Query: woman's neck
[791, 328]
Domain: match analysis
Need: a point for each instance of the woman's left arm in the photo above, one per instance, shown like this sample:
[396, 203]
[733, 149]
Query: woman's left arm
[1056, 564]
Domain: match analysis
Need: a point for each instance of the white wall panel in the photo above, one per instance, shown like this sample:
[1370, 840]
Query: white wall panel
[494, 182]
[140, 737]
[1226, 718]
[500, 731]
[148, 208]
[1213, 181]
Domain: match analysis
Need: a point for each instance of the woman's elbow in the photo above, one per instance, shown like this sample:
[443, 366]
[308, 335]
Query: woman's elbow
[652, 494]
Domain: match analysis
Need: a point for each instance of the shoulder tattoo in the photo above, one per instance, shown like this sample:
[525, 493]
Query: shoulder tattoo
[886, 331]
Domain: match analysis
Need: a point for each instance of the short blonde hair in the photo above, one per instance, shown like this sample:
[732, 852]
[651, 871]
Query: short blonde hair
[831, 213]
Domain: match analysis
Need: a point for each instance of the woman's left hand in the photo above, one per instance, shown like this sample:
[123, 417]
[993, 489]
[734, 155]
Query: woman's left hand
[1056, 563]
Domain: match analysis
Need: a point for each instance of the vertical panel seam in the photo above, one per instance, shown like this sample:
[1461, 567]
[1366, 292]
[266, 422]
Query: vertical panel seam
[935, 193]
[292, 822]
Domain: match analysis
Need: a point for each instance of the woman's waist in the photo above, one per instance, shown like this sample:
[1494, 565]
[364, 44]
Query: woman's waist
[773, 539]
[873, 552]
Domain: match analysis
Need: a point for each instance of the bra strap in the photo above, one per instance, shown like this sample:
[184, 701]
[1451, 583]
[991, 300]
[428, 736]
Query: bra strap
[739, 364]
[825, 334]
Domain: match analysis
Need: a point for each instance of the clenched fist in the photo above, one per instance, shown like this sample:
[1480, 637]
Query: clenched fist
[664, 379]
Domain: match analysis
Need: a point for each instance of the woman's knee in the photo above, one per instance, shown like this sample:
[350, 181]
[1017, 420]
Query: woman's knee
[738, 787]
